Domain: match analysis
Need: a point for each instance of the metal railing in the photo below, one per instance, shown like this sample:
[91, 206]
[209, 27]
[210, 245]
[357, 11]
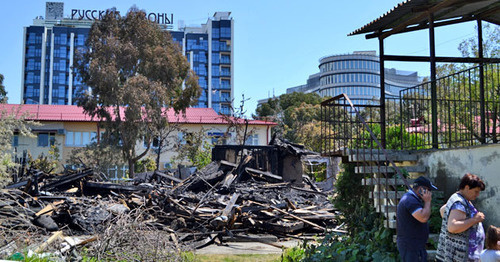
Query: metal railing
[352, 128]
[468, 110]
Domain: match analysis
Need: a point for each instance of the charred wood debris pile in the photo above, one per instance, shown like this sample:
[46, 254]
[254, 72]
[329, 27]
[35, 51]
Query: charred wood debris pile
[222, 202]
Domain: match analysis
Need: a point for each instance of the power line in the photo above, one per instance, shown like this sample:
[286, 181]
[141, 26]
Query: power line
[442, 43]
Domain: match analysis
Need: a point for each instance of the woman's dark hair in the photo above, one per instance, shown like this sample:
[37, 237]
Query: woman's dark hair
[492, 236]
[472, 181]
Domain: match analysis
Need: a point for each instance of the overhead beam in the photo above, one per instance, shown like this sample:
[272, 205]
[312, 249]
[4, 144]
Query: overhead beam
[440, 59]
[419, 17]
[420, 27]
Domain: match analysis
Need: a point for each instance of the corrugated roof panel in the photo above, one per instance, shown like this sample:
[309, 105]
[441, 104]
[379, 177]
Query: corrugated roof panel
[488, 10]
[70, 113]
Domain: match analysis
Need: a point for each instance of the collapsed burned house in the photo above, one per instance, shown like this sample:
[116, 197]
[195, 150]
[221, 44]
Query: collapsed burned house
[244, 190]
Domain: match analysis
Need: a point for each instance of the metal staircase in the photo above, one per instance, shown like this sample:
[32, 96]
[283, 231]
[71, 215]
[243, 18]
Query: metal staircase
[386, 186]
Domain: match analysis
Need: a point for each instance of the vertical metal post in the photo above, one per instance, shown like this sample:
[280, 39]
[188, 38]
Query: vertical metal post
[382, 91]
[482, 107]
[435, 143]
[401, 121]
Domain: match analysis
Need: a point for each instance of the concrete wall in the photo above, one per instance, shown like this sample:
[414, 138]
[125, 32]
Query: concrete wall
[446, 168]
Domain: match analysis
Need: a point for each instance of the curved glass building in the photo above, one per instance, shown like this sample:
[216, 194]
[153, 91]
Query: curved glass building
[357, 75]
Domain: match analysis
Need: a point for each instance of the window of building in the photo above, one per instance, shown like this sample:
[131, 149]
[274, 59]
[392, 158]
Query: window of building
[80, 39]
[215, 32]
[226, 84]
[252, 140]
[31, 64]
[215, 58]
[215, 83]
[80, 138]
[31, 38]
[46, 139]
[218, 138]
[215, 70]
[225, 59]
[215, 45]
[15, 140]
[225, 32]
[185, 138]
[226, 71]
[155, 143]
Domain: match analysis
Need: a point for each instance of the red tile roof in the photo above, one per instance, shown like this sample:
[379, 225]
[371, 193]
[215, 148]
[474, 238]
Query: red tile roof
[70, 113]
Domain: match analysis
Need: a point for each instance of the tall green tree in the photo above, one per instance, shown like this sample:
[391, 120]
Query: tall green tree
[297, 115]
[3, 93]
[461, 92]
[11, 123]
[135, 71]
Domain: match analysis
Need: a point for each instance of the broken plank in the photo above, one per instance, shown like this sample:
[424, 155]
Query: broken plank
[284, 227]
[163, 175]
[203, 198]
[309, 191]
[205, 242]
[263, 173]
[230, 205]
[292, 215]
[275, 185]
[63, 180]
[56, 235]
[227, 163]
[311, 183]
[113, 186]
[49, 208]
[228, 180]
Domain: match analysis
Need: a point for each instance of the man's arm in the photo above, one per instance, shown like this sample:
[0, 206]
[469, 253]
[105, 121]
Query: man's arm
[423, 215]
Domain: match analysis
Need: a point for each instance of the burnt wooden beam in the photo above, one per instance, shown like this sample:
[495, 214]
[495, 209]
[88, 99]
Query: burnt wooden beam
[230, 204]
[291, 215]
[63, 180]
[227, 163]
[163, 175]
[112, 186]
[203, 199]
[309, 191]
[17, 185]
[263, 173]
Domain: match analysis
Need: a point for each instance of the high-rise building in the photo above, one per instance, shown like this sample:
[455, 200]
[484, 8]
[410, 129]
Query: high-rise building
[51, 42]
[357, 75]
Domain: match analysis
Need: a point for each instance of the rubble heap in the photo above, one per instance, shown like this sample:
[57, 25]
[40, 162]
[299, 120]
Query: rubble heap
[222, 201]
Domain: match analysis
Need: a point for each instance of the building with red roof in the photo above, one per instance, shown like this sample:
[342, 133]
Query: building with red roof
[68, 127]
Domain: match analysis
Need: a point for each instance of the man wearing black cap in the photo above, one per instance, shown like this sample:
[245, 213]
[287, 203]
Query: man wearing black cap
[414, 210]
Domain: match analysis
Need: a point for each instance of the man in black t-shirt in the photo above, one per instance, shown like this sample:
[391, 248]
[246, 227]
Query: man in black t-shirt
[414, 210]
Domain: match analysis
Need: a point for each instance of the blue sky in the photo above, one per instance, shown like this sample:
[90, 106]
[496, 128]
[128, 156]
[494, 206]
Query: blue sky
[277, 43]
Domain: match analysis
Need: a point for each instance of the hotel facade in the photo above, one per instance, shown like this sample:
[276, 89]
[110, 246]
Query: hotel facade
[51, 42]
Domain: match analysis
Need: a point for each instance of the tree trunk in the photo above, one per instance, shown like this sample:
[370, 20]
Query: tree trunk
[158, 153]
[131, 167]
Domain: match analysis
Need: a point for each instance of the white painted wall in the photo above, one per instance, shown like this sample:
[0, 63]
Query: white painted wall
[30, 144]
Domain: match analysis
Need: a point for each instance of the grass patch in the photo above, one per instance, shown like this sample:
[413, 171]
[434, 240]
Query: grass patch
[238, 258]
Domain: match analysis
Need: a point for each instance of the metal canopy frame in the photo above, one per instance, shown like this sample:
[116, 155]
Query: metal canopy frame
[414, 15]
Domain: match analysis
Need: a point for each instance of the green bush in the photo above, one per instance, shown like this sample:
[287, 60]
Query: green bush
[293, 254]
[144, 165]
[367, 239]
[46, 163]
[393, 138]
